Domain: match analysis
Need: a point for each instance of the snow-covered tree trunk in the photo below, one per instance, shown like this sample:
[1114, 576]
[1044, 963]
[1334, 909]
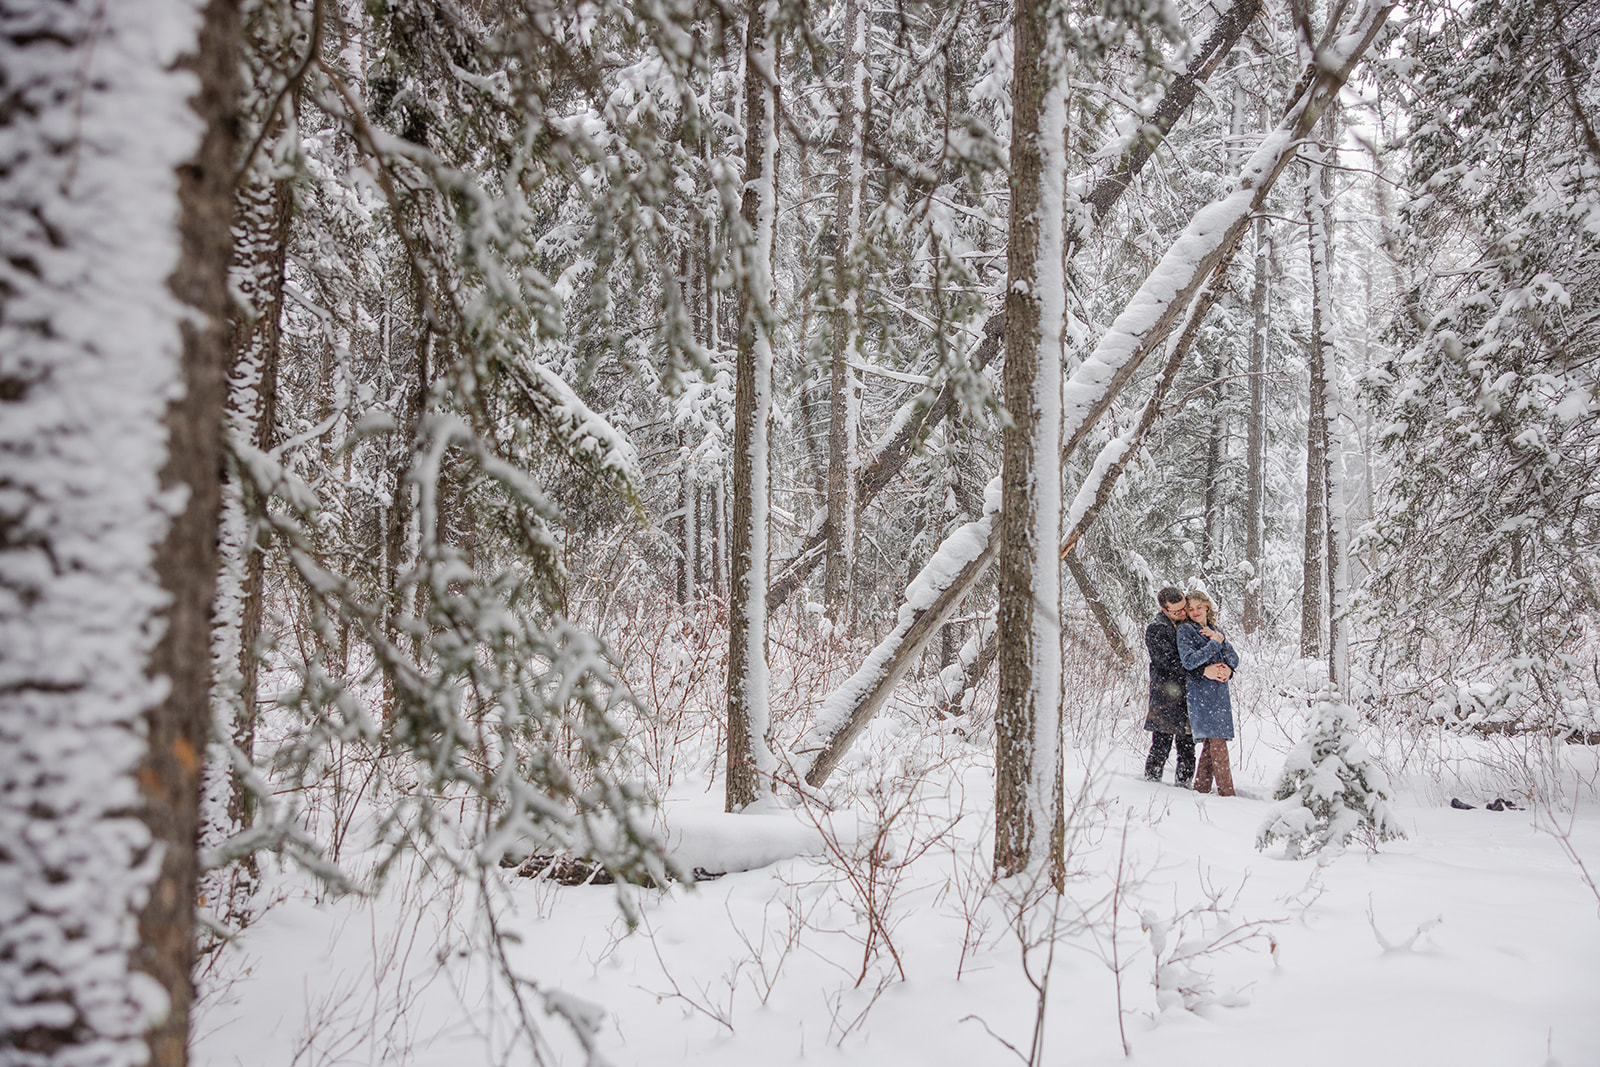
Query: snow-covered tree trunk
[1095, 601]
[261, 238]
[688, 497]
[1325, 388]
[114, 203]
[749, 755]
[1029, 826]
[1311, 584]
[843, 402]
[1256, 439]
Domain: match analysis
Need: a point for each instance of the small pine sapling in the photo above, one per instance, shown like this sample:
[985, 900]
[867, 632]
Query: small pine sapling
[1329, 788]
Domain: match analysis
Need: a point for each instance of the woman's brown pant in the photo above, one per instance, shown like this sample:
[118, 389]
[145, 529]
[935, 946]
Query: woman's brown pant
[1213, 762]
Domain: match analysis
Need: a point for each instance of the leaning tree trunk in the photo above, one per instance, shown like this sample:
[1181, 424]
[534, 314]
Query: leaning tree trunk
[1096, 603]
[749, 755]
[1095, 492]
[115, 200]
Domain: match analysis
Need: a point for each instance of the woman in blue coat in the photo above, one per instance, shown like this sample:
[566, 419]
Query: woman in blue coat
[1210, 661]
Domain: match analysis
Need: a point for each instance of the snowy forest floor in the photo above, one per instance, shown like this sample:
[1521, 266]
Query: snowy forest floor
[872, 934]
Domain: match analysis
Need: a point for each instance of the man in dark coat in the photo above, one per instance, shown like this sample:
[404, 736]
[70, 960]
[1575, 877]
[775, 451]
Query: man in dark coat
[1168, 717]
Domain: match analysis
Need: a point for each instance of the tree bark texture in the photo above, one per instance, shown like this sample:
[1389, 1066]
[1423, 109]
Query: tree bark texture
[1028, 756]
[748, 752]
[186, 561]
[115, 201]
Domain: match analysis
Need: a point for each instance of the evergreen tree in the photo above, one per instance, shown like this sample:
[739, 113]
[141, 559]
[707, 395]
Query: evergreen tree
[1491, 430]
[1330, 789]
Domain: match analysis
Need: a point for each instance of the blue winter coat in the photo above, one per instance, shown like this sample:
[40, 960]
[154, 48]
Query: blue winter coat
[1210, 709]
[1166, 713]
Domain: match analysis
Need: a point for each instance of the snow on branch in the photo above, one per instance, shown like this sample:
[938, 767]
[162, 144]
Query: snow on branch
[929, 600]
[582, 432]
[1209, 240]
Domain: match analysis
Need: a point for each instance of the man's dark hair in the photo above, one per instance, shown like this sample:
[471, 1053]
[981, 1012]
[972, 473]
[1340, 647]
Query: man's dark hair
[1170, 595]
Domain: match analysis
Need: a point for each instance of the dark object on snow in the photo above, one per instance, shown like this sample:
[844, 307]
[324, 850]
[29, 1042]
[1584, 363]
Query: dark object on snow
[565, 870]
[1460, 805]
[1213, 761]
[1501, 804]
[1155, 764]
[575, 870]
[1168, 715]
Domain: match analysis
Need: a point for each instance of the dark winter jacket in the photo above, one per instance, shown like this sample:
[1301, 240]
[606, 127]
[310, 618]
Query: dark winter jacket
[1167, 714]
[1210, 709]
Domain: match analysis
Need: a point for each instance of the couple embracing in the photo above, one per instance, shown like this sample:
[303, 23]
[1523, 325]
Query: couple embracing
[1191, 663]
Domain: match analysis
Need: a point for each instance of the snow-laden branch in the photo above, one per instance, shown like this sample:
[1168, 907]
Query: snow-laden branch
[582, 432]
[1210, 239]
[930, 599]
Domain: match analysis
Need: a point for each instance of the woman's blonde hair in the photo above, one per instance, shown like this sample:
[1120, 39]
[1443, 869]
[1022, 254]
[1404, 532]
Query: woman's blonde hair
[1198, 597]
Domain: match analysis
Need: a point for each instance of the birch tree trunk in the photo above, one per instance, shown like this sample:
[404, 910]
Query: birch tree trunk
[749, 755]
[1029, 821]
[115, 202]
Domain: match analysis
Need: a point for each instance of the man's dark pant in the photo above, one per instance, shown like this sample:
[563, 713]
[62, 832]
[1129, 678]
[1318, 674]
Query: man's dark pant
[1160, 745]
